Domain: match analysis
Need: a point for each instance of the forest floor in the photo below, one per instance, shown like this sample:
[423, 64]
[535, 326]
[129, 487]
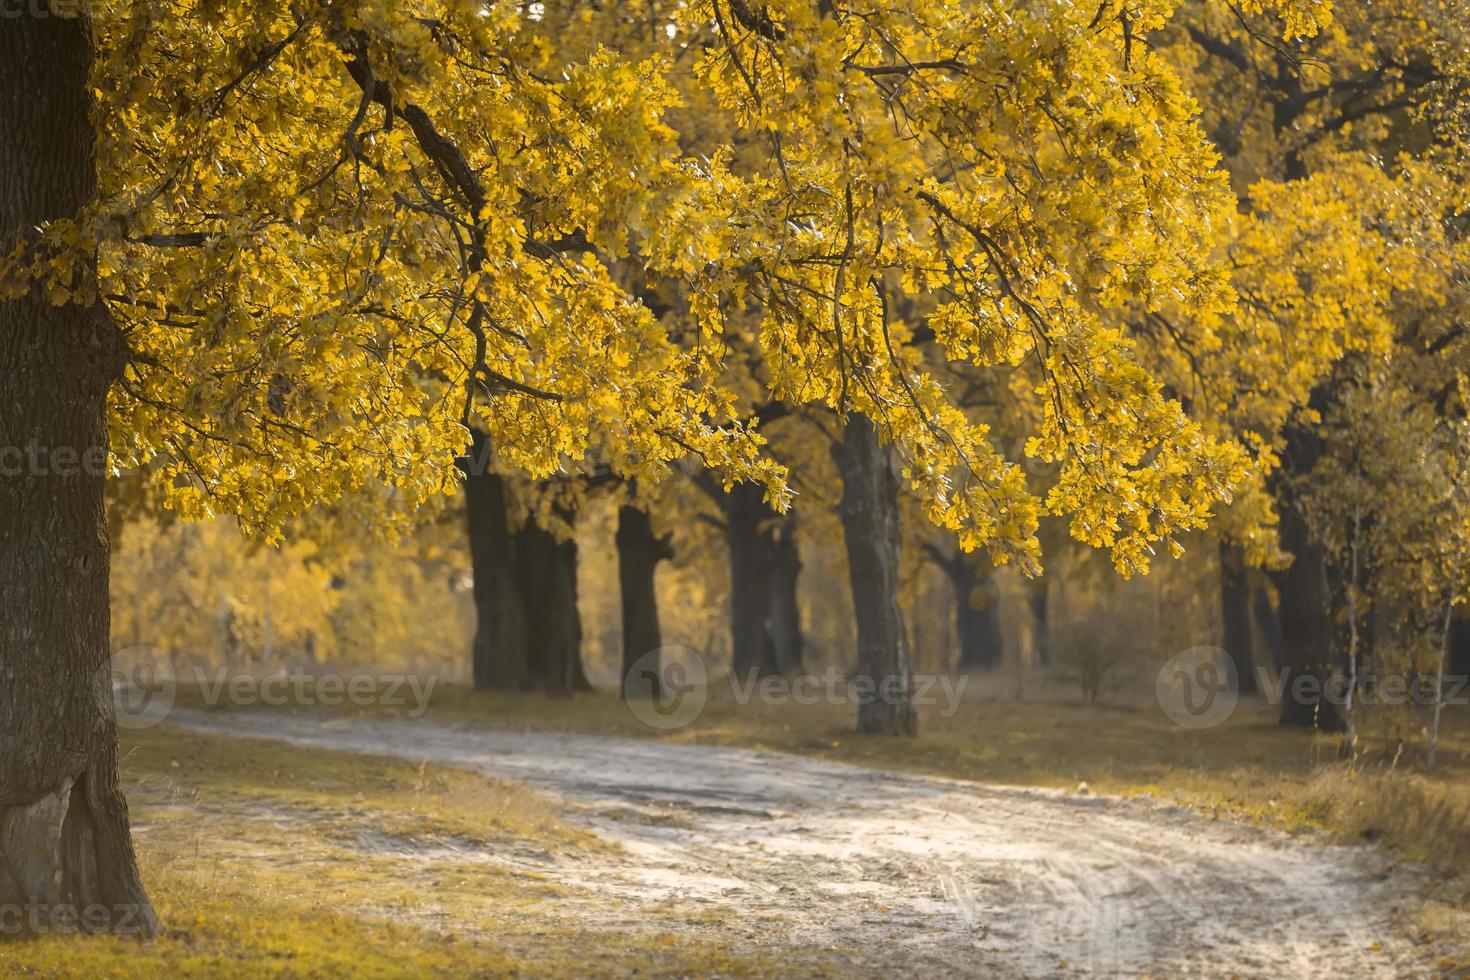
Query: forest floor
[508, 835]
[269, 860]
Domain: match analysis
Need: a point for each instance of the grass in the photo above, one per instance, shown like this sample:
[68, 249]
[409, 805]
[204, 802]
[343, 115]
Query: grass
[346, 789]
[260, 864]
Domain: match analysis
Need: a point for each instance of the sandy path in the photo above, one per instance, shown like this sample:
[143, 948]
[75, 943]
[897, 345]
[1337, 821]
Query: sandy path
[949, 877]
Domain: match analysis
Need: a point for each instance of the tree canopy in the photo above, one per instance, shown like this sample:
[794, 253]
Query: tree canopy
[335, 233]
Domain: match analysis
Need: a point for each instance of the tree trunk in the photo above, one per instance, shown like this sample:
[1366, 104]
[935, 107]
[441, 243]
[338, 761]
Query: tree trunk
[1354, 651]
[1459, 651]
[499, 654]
[1036, 599]
[1237, 636]
[1305, 593]
[639, 552]
[554, 625]
[65, 845]
[747, 534]
[580, 682]
[1444, 649]
[870, 526]
[1306, 630]
[765, 619]
[786, 642]
[1268, 623]
[976, 611]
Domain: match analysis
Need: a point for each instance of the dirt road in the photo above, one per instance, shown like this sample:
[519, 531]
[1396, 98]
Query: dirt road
[948, 878]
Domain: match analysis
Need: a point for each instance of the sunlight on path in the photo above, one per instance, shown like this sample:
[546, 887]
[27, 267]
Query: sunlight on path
[950, 877]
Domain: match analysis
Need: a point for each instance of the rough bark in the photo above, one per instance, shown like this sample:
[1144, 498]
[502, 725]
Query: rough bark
[548, 569]
[1237, 634]
[499, 654]
[639, 553]
[870, 527]
[65, 846]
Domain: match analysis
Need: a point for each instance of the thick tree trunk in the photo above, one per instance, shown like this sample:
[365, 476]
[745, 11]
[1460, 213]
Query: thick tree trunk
[765, 620]
[870, 526]
[639, 552]
[499, 655]
[580, 683]
[1306, 631]
[752, 645]
[1237, 635]
[66, 851]
[1304, 666]
[554, 625]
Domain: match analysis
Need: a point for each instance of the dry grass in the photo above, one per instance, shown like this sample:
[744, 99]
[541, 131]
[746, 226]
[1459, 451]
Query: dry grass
[390, 794]
[259, 864]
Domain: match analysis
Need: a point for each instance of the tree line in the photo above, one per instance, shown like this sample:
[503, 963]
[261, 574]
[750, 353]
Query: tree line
[1203, 260]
